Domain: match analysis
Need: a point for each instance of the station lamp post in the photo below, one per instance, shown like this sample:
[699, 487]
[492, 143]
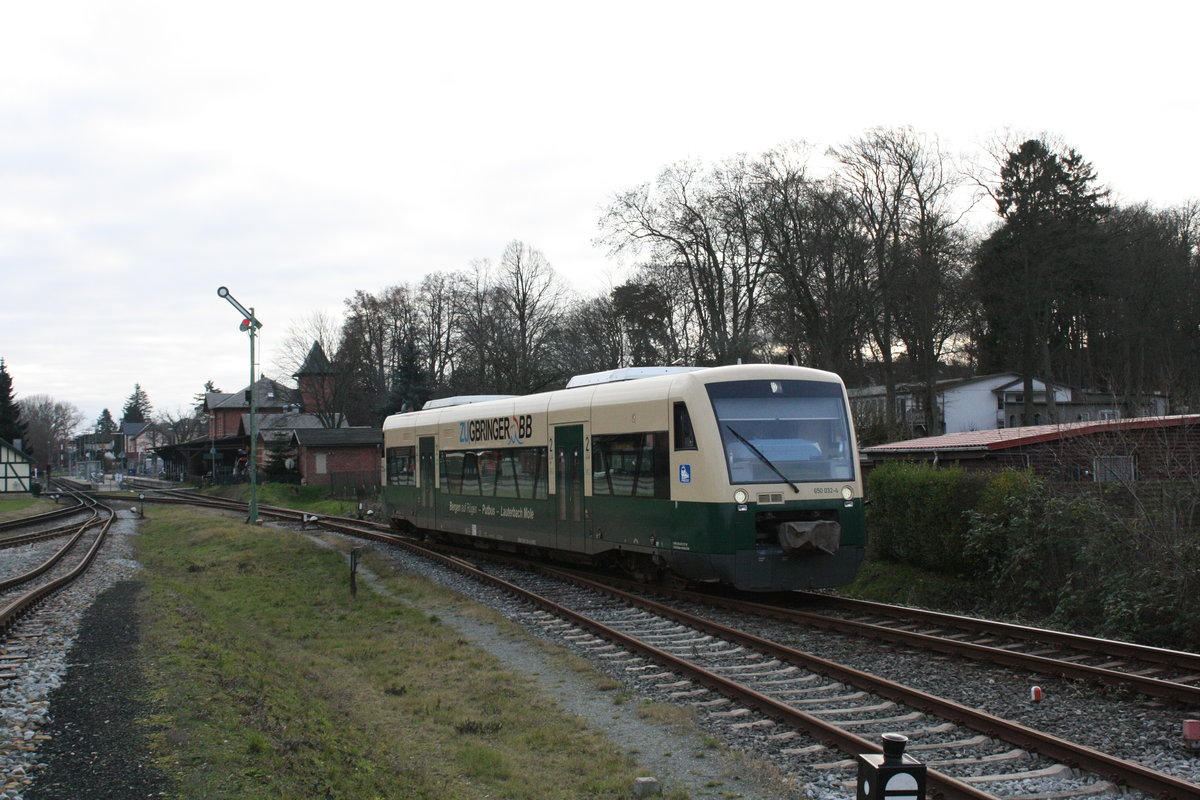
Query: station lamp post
[250, 324]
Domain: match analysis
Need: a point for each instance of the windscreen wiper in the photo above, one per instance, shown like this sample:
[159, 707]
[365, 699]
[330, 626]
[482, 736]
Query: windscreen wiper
[763, 459]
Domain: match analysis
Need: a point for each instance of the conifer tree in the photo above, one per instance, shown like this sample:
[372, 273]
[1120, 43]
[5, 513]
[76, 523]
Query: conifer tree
[11, 426]
[105, 422]
[137, 407]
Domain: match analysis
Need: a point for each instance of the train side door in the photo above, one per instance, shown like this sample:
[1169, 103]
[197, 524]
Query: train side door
[568, 486]
[426, 511]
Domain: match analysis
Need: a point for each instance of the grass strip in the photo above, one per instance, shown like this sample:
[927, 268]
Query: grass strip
[271, 681]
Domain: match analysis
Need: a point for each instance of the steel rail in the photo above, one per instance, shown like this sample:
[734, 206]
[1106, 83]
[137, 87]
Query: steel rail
[35, 519]
[9, 583]
[29, 538]
[1180, 659]
[1046, 665]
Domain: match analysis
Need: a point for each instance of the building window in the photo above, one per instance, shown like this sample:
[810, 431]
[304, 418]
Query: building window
[1113, 469]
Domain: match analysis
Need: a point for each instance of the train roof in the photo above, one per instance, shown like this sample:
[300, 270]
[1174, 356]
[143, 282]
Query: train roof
[656, 381]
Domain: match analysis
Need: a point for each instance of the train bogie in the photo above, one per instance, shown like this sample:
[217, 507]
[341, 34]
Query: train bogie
[744, 475]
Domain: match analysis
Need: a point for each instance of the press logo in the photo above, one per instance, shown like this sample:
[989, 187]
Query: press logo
[514, 430]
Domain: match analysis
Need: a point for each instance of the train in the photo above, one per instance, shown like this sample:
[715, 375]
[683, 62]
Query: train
[744, 475]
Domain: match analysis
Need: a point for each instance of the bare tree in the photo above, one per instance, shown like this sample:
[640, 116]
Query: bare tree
[532, 301]
[591, 338]
[377, 338]
[479, 365]
[698, 227]
[816, 256]
[317, 327]
[180, 426]
[439, 322]
[50, 425]
[903, 190]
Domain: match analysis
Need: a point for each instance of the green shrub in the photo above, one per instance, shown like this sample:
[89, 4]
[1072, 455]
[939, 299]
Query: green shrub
[1116, 561]
[917, 514]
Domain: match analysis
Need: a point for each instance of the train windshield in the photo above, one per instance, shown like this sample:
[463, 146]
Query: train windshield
[783, 431]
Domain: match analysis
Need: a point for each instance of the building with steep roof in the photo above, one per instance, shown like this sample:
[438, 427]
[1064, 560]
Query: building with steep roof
[320, 447]
[318, 389]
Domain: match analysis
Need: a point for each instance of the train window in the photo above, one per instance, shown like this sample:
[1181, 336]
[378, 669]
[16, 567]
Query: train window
[508, 472]
[630, 465]
[452, 467]
[685, 436]
[532, 473]
[783, 431]
[401, 466]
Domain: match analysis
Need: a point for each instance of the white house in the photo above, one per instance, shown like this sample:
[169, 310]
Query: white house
[989, 402]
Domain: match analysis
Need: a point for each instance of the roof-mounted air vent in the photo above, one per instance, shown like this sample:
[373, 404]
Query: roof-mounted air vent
[626, 374]
[464, 399]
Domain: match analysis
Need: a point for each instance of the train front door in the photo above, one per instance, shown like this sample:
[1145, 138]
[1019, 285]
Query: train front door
[426, 511]
[568, 486]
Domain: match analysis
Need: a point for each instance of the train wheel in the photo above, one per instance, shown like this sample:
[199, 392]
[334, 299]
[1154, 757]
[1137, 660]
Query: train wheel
[640, 568]
[674, 582]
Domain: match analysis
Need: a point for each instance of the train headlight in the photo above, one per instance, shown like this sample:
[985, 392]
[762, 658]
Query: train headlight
[741, 496]
[847, 493]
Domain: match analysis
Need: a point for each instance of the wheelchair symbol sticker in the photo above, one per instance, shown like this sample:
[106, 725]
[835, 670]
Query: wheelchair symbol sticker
[685, 473]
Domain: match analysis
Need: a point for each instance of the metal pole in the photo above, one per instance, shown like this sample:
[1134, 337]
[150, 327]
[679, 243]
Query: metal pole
[253, 518]
[212, 443]
[250, 324]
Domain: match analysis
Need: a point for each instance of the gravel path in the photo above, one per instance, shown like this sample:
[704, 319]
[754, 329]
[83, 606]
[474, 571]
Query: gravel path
[95, 740]
[58, 660]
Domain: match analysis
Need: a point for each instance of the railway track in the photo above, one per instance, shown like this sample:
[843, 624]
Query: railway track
[20, 593]
[751, 681]
[810, 709]
[1156, 672]
[32, 529]
[74, 506]
[1172, 675]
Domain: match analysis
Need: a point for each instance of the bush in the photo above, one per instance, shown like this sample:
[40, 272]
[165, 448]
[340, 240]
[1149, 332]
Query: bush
[917, 515]
[1087, 558]
[1027, 543]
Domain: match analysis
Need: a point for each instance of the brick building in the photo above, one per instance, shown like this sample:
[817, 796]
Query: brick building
[339, 457]
[1163, 448]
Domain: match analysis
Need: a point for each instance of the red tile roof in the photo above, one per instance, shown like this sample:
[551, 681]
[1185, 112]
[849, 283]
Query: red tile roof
[1031, 434]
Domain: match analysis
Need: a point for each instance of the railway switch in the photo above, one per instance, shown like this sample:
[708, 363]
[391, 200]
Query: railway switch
[892, 774]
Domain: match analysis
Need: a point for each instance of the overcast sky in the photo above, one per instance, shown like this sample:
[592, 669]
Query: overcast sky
[295, 152]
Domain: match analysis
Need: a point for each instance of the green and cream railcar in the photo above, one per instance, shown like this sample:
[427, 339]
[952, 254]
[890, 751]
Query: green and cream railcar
[745, 475]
